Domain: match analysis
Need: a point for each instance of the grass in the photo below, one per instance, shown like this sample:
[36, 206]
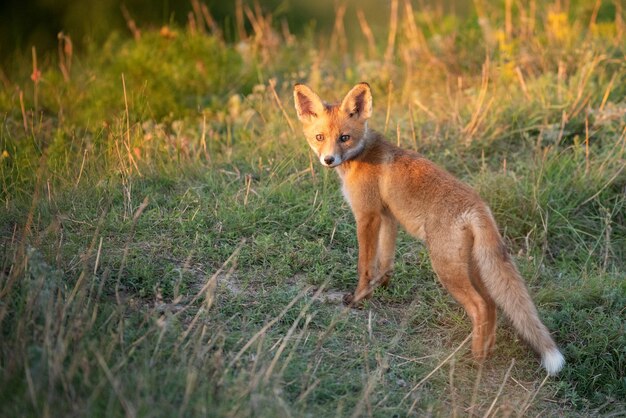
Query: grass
[169, 247]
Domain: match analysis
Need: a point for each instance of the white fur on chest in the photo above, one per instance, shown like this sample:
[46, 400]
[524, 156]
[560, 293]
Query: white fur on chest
[344, 189]
[346, 194]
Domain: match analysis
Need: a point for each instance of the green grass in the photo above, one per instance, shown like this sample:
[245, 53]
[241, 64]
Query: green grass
[170, 248]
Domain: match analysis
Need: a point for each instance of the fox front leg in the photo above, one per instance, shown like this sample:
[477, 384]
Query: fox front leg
[386, 249]
[367, 230]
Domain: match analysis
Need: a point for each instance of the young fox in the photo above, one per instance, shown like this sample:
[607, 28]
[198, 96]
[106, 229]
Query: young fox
[386, 186]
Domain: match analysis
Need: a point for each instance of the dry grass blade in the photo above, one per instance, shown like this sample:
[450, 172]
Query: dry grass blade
[20, 258]
[481, 109]
[444, 361]
[128, 408]
[532, 397]
[130, 23]
[208, 290]
[66, 52]
[290, 332]
[131, 235]
[86, 257]
[477, 381]
[127, 133]
[383, 362]
[35, 77]
[495, 400]
[367, 32]
[338, 40]
[455, 407]
[389, 96]
[267, 326]
[272, 84]
[607, 184]
[393, 29]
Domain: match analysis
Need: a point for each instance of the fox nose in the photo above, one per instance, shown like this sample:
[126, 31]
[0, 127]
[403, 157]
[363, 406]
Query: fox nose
[329, 159]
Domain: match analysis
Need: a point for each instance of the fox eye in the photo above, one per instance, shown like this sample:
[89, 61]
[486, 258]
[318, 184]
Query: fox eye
[319, 137]
[344, 138]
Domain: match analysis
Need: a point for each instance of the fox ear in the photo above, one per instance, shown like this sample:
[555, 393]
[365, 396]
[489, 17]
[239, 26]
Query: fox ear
[308, 104]
[358, 101]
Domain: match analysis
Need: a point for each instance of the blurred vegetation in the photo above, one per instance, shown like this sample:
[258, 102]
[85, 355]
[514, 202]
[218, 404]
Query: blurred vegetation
[164, 228]
[28, 23]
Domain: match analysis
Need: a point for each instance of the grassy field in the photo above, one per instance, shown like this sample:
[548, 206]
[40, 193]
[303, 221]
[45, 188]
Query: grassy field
[170, 247]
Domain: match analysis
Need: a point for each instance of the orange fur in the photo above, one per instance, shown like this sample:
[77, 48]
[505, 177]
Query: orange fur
[386, 186]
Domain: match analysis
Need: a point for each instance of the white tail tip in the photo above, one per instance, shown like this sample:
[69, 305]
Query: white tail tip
[553, 361]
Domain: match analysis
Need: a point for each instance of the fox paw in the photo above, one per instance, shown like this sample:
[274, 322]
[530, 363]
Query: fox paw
[348, 300]
[384, 281]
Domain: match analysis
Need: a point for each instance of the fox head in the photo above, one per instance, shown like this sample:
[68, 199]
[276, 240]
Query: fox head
[335, 132]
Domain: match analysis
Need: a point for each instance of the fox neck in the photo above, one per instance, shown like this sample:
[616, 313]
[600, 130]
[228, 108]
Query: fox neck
[365, 147]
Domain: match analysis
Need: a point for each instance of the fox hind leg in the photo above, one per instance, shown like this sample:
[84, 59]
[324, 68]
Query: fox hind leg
[491, 309]
[452, 264]
[480, 311]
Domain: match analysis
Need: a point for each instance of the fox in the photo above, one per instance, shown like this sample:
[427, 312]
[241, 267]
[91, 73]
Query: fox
[387, 187]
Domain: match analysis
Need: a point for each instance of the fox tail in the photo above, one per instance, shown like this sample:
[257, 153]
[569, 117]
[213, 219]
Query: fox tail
[505, 285]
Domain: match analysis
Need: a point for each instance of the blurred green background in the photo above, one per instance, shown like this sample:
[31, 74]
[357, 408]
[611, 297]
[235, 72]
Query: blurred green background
[27, 23]
[37, 22]
[24, 23]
